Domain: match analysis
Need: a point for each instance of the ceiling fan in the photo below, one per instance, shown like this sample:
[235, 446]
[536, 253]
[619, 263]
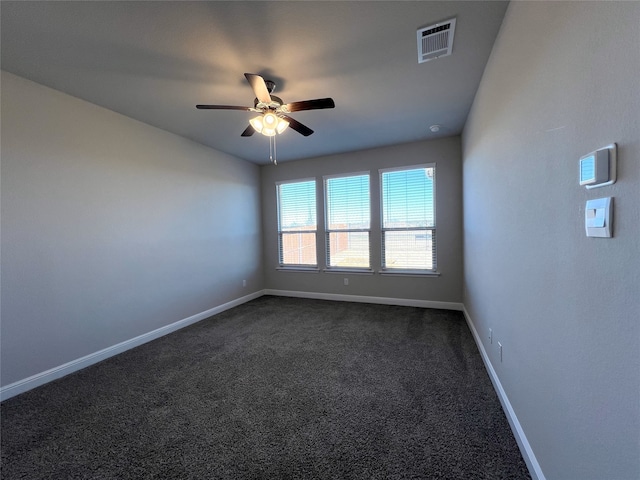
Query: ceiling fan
[273, 119]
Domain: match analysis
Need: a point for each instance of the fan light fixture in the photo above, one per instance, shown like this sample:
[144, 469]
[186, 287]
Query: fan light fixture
[273, 115]
[269, 124]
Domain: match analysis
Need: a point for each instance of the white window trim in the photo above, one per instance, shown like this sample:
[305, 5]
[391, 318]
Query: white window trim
[409, 271]
[327, 232]
[298, 268]
[293, 266]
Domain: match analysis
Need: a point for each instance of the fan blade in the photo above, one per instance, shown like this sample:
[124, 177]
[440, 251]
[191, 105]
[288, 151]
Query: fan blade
[222, 107]
[297, 126]
[259, 87]
[248, 131]
[317, 104]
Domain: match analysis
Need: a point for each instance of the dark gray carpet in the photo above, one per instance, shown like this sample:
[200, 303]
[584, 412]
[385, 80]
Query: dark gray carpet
[276, 388]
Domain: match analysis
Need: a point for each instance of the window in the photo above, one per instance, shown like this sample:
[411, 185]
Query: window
[348, 220]
[408, 218]
[297, 225]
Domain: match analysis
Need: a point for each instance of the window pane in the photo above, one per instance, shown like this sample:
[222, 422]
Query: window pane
[297, 223]
[348, 209]
[349, 249]
[298, 248]
[408, 218]
[348, 202]
[407, 198]
[297, 206]
[411, 249]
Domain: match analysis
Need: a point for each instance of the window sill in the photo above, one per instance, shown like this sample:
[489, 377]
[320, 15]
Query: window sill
[410, 273]
[351, 271]
[299, 269]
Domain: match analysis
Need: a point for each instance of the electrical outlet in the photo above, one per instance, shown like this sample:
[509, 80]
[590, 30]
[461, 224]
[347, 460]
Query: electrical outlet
[500, 351]
[346, 281]
[244, 283]
[490, 335]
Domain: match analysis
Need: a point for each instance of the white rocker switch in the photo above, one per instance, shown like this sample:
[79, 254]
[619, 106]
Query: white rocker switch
[598, 217]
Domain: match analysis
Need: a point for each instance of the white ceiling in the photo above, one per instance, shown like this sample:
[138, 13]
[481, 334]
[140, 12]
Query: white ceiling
[154, 61]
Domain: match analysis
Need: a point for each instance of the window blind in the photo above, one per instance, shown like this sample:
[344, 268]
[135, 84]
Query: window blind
[297, 223]
[348, 221]
[408, 218]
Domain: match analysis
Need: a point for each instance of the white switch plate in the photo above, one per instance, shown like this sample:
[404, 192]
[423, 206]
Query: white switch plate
[598, 217]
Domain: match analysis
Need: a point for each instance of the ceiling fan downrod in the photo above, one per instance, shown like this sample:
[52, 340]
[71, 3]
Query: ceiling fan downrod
[271, 86]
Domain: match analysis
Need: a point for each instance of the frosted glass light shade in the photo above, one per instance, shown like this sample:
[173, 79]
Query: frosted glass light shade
[269, 124]
[270, 120]
[256, 123]
[282, 125]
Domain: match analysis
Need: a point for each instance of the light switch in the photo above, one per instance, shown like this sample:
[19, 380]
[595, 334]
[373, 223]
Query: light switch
[599, 220]
[598, 217]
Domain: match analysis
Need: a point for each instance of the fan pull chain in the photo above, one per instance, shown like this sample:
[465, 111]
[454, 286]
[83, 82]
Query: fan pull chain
[272, 150]
[275, 153]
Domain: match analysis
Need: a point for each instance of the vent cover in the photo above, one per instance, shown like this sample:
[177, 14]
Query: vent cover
[436, 40]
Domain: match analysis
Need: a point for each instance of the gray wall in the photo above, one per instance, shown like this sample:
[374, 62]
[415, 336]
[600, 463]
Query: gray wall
[446, 288]
[112, 228]
[563, 80]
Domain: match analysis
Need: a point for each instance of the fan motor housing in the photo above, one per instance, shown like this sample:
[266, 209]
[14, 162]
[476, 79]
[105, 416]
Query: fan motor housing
[275, 103]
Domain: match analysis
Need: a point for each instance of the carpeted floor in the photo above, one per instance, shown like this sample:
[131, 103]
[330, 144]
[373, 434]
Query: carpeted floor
[276, 388]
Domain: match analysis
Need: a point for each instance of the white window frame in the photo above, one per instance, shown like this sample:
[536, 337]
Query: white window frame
[328, 231]
[407, 270]
[296, 266]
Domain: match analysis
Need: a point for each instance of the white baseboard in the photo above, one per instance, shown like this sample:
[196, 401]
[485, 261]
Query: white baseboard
[47, 376]
[405, 302]
[34, 381]
[525, 448]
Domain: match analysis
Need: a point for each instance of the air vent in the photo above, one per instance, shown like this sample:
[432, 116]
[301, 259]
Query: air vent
[436, 41]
